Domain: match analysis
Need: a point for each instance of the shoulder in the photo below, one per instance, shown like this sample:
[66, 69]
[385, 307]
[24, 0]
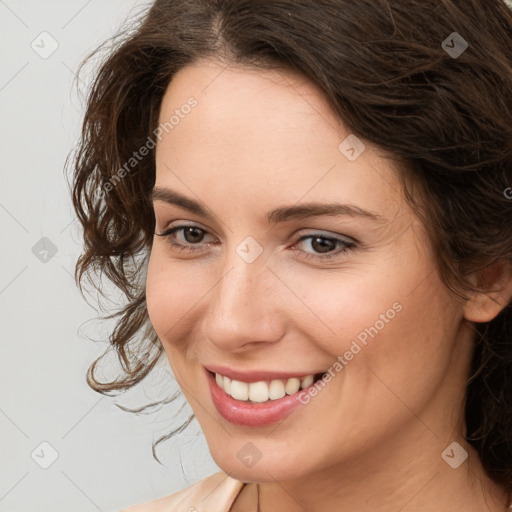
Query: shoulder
[215, 493]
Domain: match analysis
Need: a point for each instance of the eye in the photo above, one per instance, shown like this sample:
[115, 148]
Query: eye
[317, 246]
[325, 247]
[184, 237]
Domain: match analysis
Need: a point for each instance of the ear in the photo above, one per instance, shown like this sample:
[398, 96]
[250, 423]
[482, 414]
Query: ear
[495, 281]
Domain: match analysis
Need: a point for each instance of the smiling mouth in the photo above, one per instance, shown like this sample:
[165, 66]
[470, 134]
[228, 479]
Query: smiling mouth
[264, 391]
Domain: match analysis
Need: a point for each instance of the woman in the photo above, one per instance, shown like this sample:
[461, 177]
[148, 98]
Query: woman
[308, 207]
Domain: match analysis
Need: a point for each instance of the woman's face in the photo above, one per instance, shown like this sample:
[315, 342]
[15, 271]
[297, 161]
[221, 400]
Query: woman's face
[351, 290]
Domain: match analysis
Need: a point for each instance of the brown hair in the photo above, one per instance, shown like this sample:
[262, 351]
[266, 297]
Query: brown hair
[386, 70]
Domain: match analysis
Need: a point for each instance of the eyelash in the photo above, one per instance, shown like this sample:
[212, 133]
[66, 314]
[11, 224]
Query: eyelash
[346, 246]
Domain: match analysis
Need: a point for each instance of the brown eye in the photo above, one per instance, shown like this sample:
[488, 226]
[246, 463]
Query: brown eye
[324, 247]
[185, 238]
[193, 234]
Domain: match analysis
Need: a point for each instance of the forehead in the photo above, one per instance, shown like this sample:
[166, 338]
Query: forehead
[267, 134]
[245, 104]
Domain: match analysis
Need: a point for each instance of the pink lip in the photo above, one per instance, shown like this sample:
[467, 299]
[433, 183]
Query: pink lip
[254, 376]
[249, 414]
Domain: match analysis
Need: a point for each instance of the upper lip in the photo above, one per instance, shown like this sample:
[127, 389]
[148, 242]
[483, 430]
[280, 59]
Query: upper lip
[256, 375]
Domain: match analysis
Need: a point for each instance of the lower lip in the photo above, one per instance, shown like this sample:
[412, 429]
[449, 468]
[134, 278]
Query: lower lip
[250, 414]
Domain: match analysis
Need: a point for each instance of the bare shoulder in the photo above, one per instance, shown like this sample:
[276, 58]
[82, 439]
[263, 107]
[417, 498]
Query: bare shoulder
[215, 493]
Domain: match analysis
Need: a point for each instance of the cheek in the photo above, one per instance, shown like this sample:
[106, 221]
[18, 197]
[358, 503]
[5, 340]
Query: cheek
[171, 293]
[395, 344]
[379, 317]
[406, 359]
[342, 306]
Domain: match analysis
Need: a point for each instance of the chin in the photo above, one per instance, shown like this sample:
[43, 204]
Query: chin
[264, 470]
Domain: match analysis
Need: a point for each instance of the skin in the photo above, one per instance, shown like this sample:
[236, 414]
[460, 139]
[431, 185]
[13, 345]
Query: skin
[372, 439]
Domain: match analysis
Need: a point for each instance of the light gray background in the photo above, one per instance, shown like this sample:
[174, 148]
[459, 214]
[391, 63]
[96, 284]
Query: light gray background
[104, 454]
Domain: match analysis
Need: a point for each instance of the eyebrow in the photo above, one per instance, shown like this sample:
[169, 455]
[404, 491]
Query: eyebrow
[282, 214]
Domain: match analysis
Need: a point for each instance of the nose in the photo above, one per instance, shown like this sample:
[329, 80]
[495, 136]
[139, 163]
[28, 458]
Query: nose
[244, 307]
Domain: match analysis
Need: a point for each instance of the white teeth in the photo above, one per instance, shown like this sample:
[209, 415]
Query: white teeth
[306, 381]
[239, 390]
[292, 386]
[258, 392]
[227, 385]
[262, 391]
[276, 390]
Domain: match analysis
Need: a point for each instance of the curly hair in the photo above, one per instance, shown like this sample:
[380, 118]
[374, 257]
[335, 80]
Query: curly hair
[387, 72]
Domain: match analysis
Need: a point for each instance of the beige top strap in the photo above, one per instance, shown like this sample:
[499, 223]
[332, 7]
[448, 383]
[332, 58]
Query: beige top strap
[216, 493]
